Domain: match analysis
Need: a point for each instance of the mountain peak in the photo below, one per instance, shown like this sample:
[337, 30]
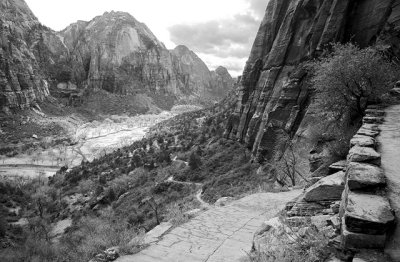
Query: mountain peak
[220, 70]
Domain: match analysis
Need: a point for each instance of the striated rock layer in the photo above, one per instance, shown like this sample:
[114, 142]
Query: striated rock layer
[274, 96]
[23, 52]
[113, 52]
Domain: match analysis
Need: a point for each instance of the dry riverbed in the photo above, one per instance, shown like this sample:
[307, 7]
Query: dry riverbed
[90, 140]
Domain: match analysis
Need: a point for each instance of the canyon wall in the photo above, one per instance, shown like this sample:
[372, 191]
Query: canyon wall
[117, 53]
[275, 97]
[24, 52]
[113, 52]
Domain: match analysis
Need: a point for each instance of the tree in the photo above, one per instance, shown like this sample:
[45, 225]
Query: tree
[151, 202]
[351, 76]
[194, 161]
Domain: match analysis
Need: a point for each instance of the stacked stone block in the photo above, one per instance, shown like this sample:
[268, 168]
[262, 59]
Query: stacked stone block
[365, 211]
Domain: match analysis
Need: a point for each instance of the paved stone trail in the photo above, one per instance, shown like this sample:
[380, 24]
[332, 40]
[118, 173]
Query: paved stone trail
[389, 140]
[221, 234]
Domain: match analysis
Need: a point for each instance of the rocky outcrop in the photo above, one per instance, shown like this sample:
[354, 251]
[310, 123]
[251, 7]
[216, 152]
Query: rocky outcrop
[274, 93]
[119, 54]
[25, 54]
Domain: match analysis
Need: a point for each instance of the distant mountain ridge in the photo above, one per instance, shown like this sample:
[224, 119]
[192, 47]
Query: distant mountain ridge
[112, 52]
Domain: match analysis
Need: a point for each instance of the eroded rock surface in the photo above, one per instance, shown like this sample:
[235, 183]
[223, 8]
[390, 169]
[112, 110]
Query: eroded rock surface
[364, 176]
[119, 54]
[368, 214]
[274, 92]
[328, 188]
[364, 154]
[24, 55]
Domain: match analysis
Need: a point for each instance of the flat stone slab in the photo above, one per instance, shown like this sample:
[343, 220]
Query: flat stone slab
[373, 119]
[364, 154]
[338, 166]
[367, 132]
[220, 234]
[374, 112]
[374, 127]
[351, 240]
[364, 176]
[371, 255]
[367, 214]
[327, 188]
[360, 140]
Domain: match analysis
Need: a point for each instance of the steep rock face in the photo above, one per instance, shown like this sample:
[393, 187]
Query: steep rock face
[274, 96]
[24, 52]
[117, 53]
[222, 81]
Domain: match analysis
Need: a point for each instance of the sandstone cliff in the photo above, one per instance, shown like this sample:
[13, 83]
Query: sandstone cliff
[274, 97]
[24, 53]
[117, 53]
[113, 52]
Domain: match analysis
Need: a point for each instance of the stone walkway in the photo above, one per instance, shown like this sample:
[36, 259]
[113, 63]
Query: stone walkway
[389, 140]
[221, 234]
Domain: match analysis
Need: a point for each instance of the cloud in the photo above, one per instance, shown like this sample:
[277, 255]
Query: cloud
[258, 7]
[227, 41]
[224, 38]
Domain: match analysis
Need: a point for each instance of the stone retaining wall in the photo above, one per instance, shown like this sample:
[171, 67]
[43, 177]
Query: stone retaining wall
[365, 212]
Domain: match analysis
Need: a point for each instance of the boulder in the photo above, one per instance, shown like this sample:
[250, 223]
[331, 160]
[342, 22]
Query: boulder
[321, 221]
[110, 254]
[192, 213]
[360, 140]
[312, 180]
[364, 154]
[364, 176]
[328, 188]
[367, 214]
[223, 201]
[338, 166]
[395, 91]
[270, 235]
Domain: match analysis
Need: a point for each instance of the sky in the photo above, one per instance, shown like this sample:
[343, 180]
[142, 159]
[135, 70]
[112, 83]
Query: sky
[221, 32]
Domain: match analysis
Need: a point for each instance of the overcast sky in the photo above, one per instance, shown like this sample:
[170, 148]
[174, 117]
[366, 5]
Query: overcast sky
[221, 32]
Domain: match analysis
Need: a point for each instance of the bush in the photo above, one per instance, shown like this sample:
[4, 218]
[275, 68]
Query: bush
[194, 161]
[94, 235]
[3, 226]
[350, 76]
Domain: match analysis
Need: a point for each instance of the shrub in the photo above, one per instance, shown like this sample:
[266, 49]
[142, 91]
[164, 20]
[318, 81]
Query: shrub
[95, 234]
[350, 76]
[3, 226]
[194, 161]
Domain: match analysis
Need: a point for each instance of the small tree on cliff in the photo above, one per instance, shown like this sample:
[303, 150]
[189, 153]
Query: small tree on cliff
[350, 76]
